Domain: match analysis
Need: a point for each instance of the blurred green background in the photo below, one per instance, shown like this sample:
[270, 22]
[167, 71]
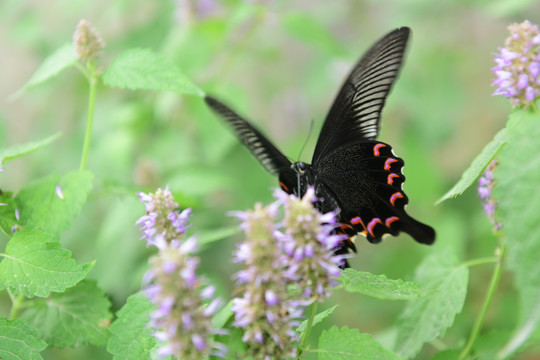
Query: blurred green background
[280, 63]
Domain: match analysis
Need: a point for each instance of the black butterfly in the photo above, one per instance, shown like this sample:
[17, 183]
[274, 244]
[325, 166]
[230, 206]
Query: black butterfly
[350, 171]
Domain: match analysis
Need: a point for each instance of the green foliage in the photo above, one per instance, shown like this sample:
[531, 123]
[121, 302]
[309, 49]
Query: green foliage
[518, 176]
[143, 69]
[7, 213]
[130, 336]
[345, 343]
[18, 341]
[35, 265]
[43, 209]
[80, 315]
[428, 318]
[379, 286]
[317, 319]
[61, 59]
[478, 165]
[16, 151]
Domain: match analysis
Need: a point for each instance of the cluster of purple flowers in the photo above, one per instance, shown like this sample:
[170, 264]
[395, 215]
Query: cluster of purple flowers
[181, 318]
[518, 65]
[485, 186]
[288, 264]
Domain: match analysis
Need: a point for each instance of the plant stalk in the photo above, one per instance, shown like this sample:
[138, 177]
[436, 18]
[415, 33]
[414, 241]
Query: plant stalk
[91, 105]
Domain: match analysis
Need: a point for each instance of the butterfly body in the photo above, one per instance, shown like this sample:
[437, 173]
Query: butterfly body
[352, 173]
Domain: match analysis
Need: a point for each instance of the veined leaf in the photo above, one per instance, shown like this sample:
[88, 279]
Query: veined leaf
[49, 209]
[80, 315]
[36, 266]
[130, 336]
[345, 344]
[16, 151]
[7, 213]
[516, 188]
[19, 340]
[428, 318]
[478, 165]
[62, 58]
[379, 286]
[317, 319]
[143, 69]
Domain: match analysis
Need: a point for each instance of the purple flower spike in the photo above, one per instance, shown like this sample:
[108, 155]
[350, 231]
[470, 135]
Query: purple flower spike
[517, 65]
[182, 321]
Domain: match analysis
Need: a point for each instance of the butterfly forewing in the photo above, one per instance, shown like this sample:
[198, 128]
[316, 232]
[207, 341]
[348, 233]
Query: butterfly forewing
[356, 111]
[268, 155]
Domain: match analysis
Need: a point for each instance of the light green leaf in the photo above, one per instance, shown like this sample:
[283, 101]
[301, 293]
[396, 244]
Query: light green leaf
[222, 316]
[379, 286]
[36, 266]
[478, 165]
[130, 336]
[16, 151]
[7, 213]
[19, 341]
[428, 318]
[78, 316]
[42, 208]
[317, 319]
[516, 188]
[61, 59]
[206, 238]
[345, 344]
[143, 69]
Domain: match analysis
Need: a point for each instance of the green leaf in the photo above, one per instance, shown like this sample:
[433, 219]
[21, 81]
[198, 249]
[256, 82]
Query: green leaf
[428, 318]
[317, 319]
[43, 209]
[345, 343]
[16, 151]
[61, 59]
[207, 237]
[78, 316]
[222, 316]
[19, 341]
[7, 213]
[36, 266]
[143, 69]
[130, 336]
[516, 188]
[380, 287]
[478, 165]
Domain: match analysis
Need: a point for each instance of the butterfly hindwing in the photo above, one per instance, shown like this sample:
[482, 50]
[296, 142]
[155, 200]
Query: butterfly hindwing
[356, 111]
[365, 179]
[268, 155]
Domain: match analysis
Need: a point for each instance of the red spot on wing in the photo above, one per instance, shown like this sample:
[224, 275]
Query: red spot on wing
[394, 197]
[390, 179]
[391, 220]
[356, 220]
[388, 163]
[372, 224]
[376, 149]
[284, 187]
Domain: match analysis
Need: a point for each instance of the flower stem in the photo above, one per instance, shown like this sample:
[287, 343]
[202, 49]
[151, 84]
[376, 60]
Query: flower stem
[91, 105]
[495, 277]
[305, 334]
[16, 304]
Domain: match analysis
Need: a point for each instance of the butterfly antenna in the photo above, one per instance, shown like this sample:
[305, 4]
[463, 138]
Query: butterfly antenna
[311, 123]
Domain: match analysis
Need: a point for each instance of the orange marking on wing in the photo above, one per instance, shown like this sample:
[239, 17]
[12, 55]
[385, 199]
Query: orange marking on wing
[391, 220]
[394, 197]
[284, 187]
[372, 224]
[390, 179]
[388, 163]
[356, 220]
[376, 149]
